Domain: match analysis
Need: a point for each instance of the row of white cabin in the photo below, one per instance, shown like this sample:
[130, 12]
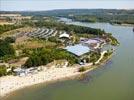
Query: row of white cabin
[46, 33]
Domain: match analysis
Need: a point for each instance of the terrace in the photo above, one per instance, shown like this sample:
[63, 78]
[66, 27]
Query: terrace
[44, 33]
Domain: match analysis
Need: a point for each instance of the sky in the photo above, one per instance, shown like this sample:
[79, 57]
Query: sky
[42, 5]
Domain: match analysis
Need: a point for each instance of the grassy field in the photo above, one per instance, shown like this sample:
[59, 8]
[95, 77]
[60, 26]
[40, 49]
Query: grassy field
[12, 32]
[6, 23]
[33, 43]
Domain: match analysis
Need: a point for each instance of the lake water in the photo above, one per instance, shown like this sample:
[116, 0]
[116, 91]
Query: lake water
[113, 81]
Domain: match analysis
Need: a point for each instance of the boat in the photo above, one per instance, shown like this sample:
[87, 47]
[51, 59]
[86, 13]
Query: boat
[133, 29]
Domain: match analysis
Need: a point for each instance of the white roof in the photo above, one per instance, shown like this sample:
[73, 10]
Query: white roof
[92, 41]
[17, 69]
[78, 49]
[64, 35]
[95, 40]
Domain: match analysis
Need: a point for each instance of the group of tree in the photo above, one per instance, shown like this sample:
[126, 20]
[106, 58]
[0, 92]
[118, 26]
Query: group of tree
[111, 39]
[54, 39]
[5, 28]
[6, 48]
[44, 56]
[94, 56]
[3, 71]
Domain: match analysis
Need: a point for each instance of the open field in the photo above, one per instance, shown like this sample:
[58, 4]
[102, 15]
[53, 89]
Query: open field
[14, 32]
[6, 23]
[33, 43]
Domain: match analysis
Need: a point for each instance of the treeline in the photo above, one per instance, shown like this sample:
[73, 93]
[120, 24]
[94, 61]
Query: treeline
[5, 28]
[113, 40]
[45, 56]
[110, 17]
[84, 18]
[64, 12]
[88, 15]
[6, 48]
[82, 29]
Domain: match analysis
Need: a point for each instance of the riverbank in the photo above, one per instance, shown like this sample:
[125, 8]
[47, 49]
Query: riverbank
[124, 24]
[11, 83]
[114, 24]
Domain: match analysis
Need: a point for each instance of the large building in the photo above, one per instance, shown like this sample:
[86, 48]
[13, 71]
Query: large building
[78, 49]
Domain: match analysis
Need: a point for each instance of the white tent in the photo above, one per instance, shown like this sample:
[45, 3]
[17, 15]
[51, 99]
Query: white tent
[64, 35]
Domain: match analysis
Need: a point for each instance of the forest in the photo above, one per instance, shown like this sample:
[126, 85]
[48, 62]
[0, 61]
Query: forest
[5, 28]
[89, 15]
[6, 49]
[44, 56]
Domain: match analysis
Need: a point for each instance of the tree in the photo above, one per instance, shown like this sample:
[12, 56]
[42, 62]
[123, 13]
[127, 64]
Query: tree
[45, 56]
[5, 28]
[82, 69]
[10, 39]
[28, 63]
[6, 48]
[3, 71]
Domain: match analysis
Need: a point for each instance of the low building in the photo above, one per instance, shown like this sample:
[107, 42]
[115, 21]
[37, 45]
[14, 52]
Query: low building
[26, 71]
[93, 43]
[20, 72]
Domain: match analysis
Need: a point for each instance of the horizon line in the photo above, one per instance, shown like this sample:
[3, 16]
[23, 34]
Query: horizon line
[71, 9]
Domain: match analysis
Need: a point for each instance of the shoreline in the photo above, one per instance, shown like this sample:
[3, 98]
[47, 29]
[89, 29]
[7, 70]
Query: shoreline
[12, 83]
[123, 24]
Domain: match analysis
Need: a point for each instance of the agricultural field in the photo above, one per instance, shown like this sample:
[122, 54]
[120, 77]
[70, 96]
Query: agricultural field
[16, 31]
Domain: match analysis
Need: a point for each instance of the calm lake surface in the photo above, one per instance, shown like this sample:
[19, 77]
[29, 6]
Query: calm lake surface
[113, 81]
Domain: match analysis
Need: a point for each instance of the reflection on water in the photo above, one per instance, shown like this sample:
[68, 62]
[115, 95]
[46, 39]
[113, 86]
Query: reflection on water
[88, 77]
[85, 78]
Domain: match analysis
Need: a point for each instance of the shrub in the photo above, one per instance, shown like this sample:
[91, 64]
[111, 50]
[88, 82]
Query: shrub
[6, 48]
[10, 39]
[82, 69]
[2, 71]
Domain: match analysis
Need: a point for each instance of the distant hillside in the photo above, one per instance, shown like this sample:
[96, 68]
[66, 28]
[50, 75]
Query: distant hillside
[88, 15]
[64, 12]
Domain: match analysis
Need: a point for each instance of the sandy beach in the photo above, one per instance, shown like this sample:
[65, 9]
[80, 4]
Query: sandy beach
[11, 83]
